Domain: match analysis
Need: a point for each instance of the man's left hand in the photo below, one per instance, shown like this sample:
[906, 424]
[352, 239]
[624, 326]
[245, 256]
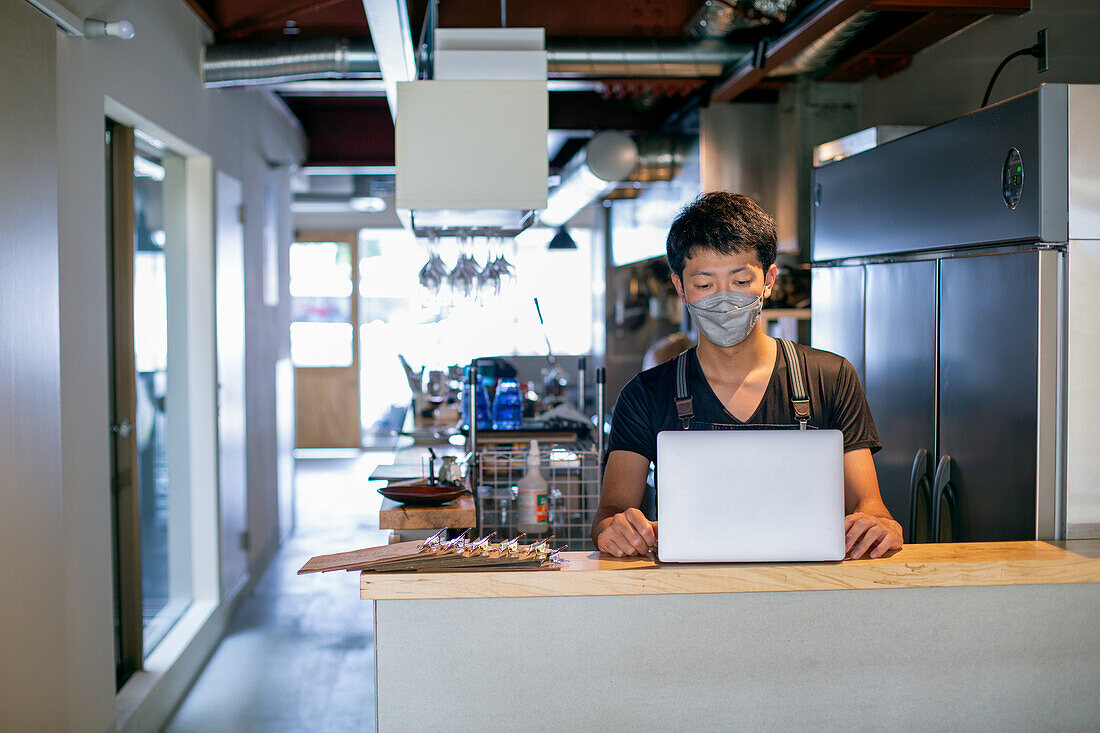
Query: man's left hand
[866, 534]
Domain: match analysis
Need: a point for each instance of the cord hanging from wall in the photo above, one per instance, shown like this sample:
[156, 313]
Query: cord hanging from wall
[1039, 51]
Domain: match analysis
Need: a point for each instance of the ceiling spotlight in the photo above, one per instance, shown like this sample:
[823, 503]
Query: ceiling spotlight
[123, 29]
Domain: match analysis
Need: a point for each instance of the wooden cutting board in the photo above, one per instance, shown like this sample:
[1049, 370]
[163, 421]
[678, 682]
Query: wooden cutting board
[408, 557]
[400, 551]
[454, 514]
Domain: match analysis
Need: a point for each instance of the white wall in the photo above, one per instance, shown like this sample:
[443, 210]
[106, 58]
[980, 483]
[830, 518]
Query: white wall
[32, 592]
[56, 636]
[949, 79]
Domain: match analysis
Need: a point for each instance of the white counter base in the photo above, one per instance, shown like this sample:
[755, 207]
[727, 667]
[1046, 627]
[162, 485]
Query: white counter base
[1009, 658]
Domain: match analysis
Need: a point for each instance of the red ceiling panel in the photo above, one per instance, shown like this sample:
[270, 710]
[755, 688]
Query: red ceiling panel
[349, 131]
[265, 19]
[562, 18]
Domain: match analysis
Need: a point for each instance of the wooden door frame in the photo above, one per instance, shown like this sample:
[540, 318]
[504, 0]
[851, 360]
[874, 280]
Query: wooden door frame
[125, 486]
[351, 238]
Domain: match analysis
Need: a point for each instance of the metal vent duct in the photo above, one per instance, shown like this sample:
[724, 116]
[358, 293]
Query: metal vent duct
[610, 158]
[660, 156]
[659, 58]
[304, 59]
[273, 62]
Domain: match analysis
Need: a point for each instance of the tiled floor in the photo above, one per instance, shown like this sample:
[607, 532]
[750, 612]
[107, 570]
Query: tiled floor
[299, 655]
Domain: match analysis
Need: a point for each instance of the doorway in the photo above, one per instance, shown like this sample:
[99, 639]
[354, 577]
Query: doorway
[230, 320]
[150, 512]
[324, 343]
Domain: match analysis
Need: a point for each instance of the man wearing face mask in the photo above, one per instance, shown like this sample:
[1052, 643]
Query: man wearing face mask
[721, 249]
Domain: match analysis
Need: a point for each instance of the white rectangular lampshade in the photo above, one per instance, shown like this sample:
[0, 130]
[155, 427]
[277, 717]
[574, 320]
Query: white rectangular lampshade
[489, 54]
[490, 39]
[494, 65]
[471, 145]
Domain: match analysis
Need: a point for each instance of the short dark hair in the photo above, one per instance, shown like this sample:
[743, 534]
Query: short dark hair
[725, 222]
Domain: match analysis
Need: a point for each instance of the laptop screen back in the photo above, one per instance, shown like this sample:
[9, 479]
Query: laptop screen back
[750, 495]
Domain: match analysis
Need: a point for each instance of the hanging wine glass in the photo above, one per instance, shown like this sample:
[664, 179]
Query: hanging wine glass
[489, 280]
[506, 269]
[433, 275]
[428, 279]
[464, 277]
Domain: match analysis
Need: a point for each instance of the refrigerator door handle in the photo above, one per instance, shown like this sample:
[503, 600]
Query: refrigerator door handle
[920, 487]
[944, 491]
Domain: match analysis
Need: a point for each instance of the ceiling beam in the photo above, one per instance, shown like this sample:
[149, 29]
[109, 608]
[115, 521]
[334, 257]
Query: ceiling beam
[895, 52]
[787, 46]
[392, 38]
[831, 14]
[966, 7]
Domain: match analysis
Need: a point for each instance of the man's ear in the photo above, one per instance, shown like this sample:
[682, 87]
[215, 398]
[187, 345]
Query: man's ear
[769, 280]
[679, 285]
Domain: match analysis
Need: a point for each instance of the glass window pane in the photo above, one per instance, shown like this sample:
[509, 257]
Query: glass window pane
[165, 578]
[320, 270]
[320, 304]
[321, 310]
[321, 344]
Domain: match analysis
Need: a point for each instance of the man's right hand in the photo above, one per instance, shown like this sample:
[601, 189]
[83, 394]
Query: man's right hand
[627, 533]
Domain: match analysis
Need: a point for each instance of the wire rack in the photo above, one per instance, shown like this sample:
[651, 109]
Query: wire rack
[573, 484]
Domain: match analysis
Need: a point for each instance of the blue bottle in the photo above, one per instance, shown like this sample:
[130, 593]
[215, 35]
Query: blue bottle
[507, 406]
[484, 420]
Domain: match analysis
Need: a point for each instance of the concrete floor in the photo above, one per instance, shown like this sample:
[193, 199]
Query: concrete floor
[299, 654]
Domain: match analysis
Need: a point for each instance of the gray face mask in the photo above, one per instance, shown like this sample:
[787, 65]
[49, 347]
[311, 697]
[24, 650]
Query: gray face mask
[726, 318]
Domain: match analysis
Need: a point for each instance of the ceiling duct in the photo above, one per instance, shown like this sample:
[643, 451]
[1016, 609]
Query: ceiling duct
[306, 59]
[658, 58]
[299, 59]
[719, 18]
[660, 157]
[825, 49]
[609, 159]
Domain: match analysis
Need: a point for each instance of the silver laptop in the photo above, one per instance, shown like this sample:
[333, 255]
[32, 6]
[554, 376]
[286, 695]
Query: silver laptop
[750, 495]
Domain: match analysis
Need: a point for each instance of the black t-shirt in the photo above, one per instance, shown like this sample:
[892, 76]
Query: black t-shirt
[647, 404]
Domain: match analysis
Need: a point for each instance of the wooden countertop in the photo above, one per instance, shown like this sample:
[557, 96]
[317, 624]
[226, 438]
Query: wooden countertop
[914, 566]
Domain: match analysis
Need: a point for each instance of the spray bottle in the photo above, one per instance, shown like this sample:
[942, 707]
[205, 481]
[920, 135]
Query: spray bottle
[534, 506]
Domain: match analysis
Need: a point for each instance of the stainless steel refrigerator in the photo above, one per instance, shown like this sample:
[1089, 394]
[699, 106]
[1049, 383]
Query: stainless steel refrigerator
[958, 269]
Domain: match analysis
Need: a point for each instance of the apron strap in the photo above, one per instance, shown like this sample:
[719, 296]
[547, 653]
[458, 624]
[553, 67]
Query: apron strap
[685, 409]
[800, 398]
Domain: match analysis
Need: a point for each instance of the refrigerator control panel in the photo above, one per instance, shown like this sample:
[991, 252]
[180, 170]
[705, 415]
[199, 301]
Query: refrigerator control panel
[1012, 178]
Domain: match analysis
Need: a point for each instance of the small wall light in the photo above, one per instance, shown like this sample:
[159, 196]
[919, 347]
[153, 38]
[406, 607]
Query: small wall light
[123, 29]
